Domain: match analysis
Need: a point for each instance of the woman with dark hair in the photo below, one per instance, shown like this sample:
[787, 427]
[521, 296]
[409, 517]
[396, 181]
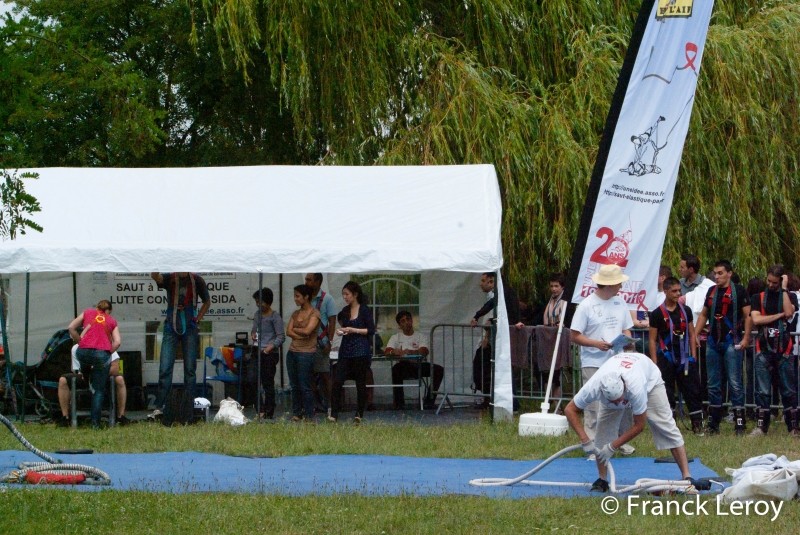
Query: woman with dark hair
[268, 335]
[302, 329]
[97, 340]
[355, 350]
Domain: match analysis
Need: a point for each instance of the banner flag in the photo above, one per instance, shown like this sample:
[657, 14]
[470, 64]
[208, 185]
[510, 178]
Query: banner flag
[632, 186]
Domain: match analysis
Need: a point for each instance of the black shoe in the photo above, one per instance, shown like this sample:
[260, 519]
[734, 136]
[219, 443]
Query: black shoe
[601, 485]
[699, 484]
[62, 421]
[123, 421]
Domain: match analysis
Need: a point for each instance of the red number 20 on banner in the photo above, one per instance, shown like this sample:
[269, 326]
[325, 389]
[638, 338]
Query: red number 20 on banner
[613, 250]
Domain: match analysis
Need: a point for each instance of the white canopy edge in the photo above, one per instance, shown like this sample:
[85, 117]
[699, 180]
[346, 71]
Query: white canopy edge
[271, 219]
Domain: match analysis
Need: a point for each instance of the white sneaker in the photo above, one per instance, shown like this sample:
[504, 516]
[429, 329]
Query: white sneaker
[627, 449]
[155, 415]
[591, 457]
[757, 432]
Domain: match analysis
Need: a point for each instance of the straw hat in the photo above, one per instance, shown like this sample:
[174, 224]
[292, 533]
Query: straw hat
[609, 275]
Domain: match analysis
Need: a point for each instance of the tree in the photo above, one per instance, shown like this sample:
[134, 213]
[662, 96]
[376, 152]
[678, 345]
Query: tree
[526, 86]
[123, 83]
[17, 205]
[522, 84]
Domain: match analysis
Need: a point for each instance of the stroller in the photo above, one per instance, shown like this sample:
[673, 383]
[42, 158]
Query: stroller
[35, 387]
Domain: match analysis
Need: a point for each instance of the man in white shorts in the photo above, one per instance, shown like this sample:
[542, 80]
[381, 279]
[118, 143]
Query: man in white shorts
[628, 380]
[64, 397]
[598, 320]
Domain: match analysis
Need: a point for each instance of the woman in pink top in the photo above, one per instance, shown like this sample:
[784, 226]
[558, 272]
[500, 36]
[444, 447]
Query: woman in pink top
[98, 338]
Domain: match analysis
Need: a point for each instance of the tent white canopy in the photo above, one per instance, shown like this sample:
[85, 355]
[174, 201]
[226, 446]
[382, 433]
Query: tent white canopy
[274, 219]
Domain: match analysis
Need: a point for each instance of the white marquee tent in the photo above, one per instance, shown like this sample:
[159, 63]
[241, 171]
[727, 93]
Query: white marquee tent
[269, 220]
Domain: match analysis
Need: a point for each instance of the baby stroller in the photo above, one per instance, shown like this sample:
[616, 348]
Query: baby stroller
[35, 387]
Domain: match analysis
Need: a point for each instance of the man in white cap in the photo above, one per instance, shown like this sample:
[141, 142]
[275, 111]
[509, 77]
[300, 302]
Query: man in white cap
[598, 320]
[628, 380]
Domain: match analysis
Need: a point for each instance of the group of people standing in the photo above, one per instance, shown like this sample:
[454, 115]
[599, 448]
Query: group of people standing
[311, 328]
[712, 319]
[717, 319]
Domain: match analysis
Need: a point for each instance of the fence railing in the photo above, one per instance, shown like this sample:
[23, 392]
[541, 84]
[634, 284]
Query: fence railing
[455, 346]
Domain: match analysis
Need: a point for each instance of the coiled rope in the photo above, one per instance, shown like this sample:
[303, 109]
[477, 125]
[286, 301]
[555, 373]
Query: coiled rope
[53, 470]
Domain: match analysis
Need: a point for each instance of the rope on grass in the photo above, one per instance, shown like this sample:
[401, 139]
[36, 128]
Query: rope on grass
[646, 484]
[53, 470]
[25, 442]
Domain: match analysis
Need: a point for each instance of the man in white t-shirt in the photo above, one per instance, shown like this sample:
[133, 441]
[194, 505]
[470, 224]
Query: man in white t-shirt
[411, 343]
[598, 320]
[628, 380]
[64, 397]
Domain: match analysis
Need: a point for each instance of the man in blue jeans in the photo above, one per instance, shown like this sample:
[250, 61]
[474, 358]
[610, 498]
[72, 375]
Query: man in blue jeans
[771, 312]
[727, 310]
[180, 326]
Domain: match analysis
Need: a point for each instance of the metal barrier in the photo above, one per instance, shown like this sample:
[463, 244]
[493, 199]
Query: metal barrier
[454, 346]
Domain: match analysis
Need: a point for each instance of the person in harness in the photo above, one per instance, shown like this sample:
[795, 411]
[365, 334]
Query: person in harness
[774, 356]
[673, 346]
[727, 310]
[180, 327]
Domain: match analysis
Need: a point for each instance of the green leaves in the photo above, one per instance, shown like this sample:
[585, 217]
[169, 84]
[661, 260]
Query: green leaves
[524, 85]
[17, 205]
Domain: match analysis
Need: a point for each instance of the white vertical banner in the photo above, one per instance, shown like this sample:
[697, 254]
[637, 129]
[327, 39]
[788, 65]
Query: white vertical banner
[631, 213]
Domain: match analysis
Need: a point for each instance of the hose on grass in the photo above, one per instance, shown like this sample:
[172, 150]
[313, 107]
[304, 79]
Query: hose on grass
[53, 470]
[643, 484]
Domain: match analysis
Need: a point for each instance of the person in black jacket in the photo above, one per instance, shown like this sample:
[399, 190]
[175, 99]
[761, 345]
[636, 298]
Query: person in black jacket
[488, 280]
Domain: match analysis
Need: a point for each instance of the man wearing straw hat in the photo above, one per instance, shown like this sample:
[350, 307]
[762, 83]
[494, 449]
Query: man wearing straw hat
[628, 381]
[598, 320]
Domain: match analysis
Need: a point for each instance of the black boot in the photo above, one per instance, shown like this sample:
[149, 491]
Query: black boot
[738, 418]
[697, 423]
[714, 418]
[762, 423]
[790, 416]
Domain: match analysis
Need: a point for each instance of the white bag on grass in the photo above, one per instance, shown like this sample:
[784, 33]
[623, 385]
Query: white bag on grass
[763, 477]
[230, 412]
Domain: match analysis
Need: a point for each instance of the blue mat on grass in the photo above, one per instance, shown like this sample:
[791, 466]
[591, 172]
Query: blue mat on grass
[370, 475]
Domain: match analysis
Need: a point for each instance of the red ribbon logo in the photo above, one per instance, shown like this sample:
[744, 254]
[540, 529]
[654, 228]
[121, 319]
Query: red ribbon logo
[691, 55]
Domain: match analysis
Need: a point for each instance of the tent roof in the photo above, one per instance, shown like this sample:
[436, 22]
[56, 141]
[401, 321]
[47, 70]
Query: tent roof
[272, 219]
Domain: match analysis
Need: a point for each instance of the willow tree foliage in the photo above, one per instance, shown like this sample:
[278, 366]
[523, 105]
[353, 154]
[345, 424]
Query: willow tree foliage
[522, 84]
[526, 85]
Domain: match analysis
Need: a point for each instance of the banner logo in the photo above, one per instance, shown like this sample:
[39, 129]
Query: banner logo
[646, 148]
[674, 9]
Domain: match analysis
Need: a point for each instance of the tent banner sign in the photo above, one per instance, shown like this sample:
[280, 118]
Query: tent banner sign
[635, 197]
[136, 297]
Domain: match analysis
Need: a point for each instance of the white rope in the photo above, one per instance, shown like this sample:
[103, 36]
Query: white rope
[94, 476]
[647, 484]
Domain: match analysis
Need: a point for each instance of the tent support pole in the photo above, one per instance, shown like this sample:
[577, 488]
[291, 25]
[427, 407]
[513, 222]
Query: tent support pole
[258, 346]
[280, 351]
[25, 355]
[6, 351]
[74, 295]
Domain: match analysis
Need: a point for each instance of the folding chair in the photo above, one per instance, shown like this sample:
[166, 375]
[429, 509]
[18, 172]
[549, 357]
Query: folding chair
[225, 367]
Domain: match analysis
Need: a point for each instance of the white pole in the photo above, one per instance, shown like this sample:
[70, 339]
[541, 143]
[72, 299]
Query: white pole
[546, 402]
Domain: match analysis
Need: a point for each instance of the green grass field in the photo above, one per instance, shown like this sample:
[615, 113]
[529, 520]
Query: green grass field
[38, 510]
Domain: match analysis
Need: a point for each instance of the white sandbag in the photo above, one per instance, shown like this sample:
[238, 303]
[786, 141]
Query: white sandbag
[778, 484]
[230, 412]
